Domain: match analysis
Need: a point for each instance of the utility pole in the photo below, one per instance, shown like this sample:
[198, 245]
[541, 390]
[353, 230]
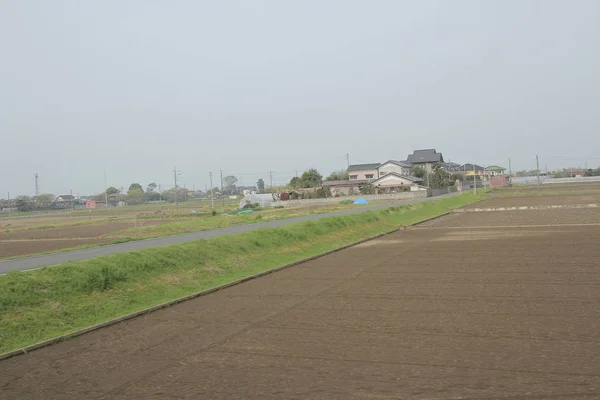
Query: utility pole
[159, 193]
[37, 184]
[72, 200]
[9, 205]
[105, 190]
[348, 159]
[176, 191]
[271, 178]
[475, 179]
[509, 171]
[212, 194]
[537, 170]
[222, 193]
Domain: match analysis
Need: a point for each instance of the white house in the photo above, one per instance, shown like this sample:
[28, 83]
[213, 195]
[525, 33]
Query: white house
[394, 183]
[399, 167]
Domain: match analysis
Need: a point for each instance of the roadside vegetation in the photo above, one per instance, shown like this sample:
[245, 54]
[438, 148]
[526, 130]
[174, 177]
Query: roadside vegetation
[41, 304]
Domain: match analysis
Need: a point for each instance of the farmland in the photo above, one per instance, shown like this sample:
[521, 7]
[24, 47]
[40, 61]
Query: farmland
[496, 304]
[85, 228]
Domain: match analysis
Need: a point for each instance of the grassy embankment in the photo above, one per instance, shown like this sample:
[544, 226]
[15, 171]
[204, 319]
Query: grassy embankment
[44, 303]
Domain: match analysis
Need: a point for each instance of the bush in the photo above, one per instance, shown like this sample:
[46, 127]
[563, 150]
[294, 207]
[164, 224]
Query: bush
[347, 201]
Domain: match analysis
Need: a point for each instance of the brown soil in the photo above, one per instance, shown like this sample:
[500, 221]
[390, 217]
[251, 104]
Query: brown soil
[21, 243]
[71, 232]
[534, 200]
[421, 314]
[512, 218]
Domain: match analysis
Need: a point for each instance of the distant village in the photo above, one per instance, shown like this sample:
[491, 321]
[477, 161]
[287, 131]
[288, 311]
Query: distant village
[424, 169]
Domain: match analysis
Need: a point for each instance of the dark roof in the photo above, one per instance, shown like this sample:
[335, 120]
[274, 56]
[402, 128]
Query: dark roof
[495, 168]
[425, 156]
[407, 177]
[344, 183]
[362, 167]
[65, 197]
[405, 163]
[450, 166]
[470, 167]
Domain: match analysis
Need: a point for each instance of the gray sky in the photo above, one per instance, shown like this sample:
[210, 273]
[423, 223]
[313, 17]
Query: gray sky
[137, 87]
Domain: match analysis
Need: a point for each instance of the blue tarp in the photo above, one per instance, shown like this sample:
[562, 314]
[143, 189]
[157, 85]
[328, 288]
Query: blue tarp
[360, 201]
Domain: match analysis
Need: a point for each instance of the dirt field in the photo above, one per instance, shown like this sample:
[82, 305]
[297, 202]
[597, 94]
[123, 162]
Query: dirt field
[456, 308]
[543, 200]
[42, 240]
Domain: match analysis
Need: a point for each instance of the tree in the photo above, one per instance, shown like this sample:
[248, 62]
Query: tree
[229, 184]
[43, 198]
[338, 176]
[260, 185]
[419, 172]
[112, 190]
[311, 178]
[135, 186]
[151, 187]
[438, 178]
[23, 203]
[367, 188]
[295, 183]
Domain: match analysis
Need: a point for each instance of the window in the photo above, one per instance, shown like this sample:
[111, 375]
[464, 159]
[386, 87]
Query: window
[369, 176]
[353, 176]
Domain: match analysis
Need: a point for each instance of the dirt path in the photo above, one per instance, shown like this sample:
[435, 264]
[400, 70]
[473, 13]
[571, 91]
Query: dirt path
[421, 314]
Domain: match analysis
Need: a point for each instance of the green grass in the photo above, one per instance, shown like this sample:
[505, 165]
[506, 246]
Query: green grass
[41, 304]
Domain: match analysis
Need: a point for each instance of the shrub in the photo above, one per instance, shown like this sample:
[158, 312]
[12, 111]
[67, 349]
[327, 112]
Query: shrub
[347, 201]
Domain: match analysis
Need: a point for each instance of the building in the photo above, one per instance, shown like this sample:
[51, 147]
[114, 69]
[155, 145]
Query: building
[94, 204]
[64, 198]
[577, 173]
[395, 183]
[344, 188]
[499, 181]
[495, 170]
[398, 167]
[425, 158]
[363, 171]
[471, 170]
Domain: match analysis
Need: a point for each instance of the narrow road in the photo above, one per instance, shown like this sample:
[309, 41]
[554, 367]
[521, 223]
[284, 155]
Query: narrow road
[26, 263]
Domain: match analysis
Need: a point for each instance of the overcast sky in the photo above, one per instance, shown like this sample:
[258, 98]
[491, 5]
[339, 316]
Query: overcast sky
[137, 87]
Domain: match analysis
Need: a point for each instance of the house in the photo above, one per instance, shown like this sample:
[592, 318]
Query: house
[471, 170]
[451, 167]
[577, 173]
[344, 188]
[64, 198]
[363, 171]
[395, 183]
[94, 204]
[494, 170]
[399, 167]
[425, 158]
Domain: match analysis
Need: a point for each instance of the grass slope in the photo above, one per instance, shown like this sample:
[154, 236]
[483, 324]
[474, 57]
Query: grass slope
[41, 304]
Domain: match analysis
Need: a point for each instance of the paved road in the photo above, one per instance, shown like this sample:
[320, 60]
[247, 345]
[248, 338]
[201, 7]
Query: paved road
[26, 263]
